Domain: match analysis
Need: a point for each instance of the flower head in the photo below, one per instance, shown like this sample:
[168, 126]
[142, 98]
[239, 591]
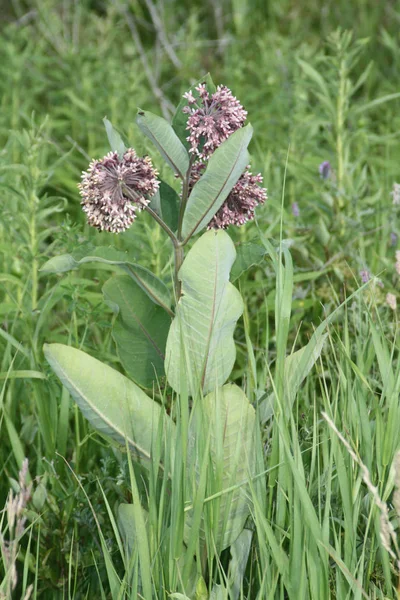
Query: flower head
[114, 188]
[395, 193]
[325, 169]
[212, 118]
[241, 202]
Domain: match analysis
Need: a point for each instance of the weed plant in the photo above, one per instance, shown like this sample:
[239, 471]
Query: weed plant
[321, 84]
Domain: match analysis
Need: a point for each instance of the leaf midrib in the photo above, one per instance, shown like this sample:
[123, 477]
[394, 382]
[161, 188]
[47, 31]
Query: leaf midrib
[99, 414]
[220, 191]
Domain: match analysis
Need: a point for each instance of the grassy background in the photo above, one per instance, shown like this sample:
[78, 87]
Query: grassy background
[312, 93]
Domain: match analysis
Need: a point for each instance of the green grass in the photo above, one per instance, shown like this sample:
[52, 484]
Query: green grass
[315, 529]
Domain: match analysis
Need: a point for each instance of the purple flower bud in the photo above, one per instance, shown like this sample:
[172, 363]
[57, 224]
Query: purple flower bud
[393, 238]
[295, 209]
[213, 118]
[325, 169]
[365, 275]
[114, 188]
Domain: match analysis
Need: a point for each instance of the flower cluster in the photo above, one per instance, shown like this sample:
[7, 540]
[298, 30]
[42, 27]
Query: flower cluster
[241, 202]
[212, 118]
[113, 189]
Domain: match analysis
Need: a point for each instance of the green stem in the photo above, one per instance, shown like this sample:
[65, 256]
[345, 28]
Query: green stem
[178, 248]
[162, 224]
[185, 196]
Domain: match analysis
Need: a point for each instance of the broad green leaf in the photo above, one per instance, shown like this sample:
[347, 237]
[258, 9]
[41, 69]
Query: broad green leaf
[126, 524]
[116, 143]
[166, 204]
[227, 418]
[160, 132]
[247, 255]
[240, 550]
[179, 121]
[296, 368]
[224, 168]
[140, 331]
[200, 340]
[156, 290]
[113, 404]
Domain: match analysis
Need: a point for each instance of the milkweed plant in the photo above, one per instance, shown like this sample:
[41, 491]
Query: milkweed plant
[175, 340]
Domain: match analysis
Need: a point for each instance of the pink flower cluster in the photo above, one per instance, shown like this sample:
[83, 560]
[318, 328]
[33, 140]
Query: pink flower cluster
[113, 189]
[241, 202]
[212, 118]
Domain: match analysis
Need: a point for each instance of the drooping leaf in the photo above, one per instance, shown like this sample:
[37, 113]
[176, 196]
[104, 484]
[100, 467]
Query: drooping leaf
[156, 289]
[224, 168]
[116, 142]
[166, 204]
[179, 121]
[113, 404]
[200, 340]
[160, 132]
[247, 255]
[227, 419]
[140, 331]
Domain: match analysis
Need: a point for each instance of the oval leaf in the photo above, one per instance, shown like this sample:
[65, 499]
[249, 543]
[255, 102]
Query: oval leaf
[200, 342]
[113, 404]
[247, 255]
[228, 420]
[140, 331]
[224, 168]
[160, 132]
[156, 289]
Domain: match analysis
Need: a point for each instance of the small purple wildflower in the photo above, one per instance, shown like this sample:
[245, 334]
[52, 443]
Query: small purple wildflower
[212, 118]
[393, 238]
[241, 202]
[295, 209]
[325, 169]
[114, 188]
[395, 193]
[365, 276]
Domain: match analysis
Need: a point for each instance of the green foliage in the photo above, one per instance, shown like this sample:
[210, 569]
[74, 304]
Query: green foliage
[153, 287]
[200, 346]
[316, 528]
[223, 170]
[222, 432]
[160, 132]
[140, 331]
[113, 404]
[166, 204]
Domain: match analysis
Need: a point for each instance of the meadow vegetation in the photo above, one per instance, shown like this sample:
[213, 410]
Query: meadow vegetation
[320, 82]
